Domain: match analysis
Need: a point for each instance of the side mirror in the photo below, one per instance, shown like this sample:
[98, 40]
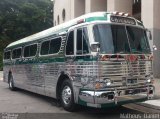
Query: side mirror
[95, 47]
[149, 34]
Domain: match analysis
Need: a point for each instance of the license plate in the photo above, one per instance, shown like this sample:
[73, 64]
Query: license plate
[129, 92]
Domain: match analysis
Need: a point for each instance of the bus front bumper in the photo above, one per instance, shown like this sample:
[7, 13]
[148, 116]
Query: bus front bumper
[114, 97]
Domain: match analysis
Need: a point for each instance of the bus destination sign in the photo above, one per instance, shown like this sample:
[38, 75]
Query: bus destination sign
[124, 20]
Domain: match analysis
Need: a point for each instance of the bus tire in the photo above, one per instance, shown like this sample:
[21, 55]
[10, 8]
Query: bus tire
[11, 83]
[67, 96]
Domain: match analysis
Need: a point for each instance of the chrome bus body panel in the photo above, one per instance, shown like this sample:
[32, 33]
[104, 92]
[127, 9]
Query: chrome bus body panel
[45, 76]
[110, 96]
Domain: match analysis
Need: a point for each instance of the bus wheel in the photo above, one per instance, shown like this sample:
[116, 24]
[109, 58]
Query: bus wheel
[11, 84]
[67, 96]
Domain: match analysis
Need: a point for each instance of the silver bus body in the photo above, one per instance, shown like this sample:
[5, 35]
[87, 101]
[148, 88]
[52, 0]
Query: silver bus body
[98, 79]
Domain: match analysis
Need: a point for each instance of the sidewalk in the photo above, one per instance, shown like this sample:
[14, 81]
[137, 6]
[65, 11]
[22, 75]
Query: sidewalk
[1, 75]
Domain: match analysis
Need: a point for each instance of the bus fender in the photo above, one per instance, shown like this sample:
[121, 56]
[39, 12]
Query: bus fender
[62, 76]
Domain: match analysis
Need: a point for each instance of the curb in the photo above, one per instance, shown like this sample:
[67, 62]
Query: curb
[148, 106]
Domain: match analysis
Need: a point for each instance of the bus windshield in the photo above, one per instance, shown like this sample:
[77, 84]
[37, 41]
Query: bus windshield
[121, 39]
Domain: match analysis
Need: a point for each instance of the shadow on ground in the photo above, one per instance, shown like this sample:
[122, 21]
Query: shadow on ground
[82, 112]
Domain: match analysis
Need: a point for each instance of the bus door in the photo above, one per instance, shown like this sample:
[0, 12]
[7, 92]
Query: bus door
[77, 51]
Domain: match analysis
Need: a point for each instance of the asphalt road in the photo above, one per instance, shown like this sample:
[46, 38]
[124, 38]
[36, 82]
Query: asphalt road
[26, 105]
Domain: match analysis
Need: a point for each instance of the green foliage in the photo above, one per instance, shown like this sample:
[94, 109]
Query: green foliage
[21, 18]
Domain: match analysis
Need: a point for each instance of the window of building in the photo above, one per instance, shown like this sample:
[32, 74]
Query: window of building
[63, 14]
[136, 1]
[55, 45]
[16, 53]
[30, 51]
[70, 44]
[7, 55]
[137, 9]
[58, 20]
[82, 41]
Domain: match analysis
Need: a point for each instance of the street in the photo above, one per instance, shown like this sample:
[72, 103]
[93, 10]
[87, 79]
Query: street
[31, 105]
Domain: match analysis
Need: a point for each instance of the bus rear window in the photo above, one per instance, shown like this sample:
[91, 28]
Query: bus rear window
[7, 55]
[16, 53]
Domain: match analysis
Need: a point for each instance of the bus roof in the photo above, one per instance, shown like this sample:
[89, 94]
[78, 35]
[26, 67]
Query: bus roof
[51, 31]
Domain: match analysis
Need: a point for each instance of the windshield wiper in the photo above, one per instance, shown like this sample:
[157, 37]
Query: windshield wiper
[137, 52]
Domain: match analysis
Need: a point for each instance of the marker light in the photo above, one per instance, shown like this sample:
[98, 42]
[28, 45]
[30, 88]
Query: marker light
[115, 13]
[127, 15]
[98, 85]
[121, 13]
[80, 21]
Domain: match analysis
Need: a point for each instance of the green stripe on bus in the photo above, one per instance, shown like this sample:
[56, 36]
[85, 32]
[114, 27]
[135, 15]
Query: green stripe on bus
[95, 19]
[81, 102]
[47, 60]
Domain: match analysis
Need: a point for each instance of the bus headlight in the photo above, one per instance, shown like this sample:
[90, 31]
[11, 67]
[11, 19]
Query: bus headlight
[103, 83]
[148, 80]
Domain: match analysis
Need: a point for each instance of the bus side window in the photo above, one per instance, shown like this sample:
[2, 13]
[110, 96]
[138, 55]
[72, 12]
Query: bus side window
[30, 51]
[55, 45]
[33, 50]
[19, 52]
[45, 48]
[70, 44]
[16, 53]
[26, 51]
[79, 42]
[82, 41]
[7, 55]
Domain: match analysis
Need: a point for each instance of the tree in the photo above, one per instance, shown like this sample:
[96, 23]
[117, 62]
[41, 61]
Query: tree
[21, 18]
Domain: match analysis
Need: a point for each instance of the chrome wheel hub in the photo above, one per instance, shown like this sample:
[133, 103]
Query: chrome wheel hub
[66, 95]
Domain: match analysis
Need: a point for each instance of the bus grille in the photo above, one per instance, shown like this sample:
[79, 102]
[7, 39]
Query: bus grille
[125, 69]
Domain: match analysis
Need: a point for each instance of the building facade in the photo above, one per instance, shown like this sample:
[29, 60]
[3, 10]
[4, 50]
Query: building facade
[144, 10]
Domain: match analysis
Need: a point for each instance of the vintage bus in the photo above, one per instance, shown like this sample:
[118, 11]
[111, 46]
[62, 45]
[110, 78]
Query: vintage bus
[98, 60]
